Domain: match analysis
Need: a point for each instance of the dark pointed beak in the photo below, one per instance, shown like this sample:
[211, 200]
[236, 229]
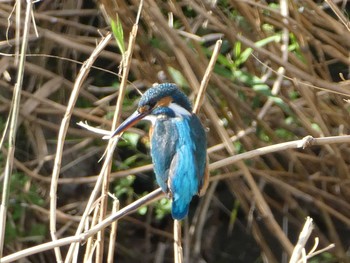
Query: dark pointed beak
[130, 121]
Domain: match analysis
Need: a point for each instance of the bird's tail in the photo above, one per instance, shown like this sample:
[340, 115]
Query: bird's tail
[179, 207]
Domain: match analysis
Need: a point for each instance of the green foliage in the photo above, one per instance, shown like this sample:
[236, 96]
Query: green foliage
[293, 95]
[129, 144]
[242, 56]
[284, 134]
[11, 232]
[295, 47]
[238, 146]
[124, 187]
[38, 231]
[177, 76]
[263, 136]
[131, 161]
[17, 193]
[142, 210]
[233, 215]
[131, 138]
[324, 257]
[118, 34]
[231, 68]
[23, 192]
[162, 208]
[316, 127]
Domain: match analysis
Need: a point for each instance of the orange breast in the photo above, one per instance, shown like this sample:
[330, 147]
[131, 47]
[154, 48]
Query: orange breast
[150, 133]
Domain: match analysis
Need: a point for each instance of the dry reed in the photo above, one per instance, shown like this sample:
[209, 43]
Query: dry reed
[275, 109]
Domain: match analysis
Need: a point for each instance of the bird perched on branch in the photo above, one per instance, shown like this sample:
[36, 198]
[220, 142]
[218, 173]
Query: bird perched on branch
[178, 144]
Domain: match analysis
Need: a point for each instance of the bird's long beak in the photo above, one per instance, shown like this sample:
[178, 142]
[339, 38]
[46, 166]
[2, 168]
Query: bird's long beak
[130, 121]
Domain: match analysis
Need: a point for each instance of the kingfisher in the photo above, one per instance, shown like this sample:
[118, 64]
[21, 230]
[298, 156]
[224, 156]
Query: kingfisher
[178, 144]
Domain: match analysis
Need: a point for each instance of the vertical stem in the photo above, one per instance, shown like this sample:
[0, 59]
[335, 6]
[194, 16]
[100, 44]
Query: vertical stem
[18, 29]
[178, 255]
[113, 235]
[105, 186]
[13, 129]
[90, 243]
[206, 77]
[85, 69]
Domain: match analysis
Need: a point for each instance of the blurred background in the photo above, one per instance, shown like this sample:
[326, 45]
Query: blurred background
[282, 74]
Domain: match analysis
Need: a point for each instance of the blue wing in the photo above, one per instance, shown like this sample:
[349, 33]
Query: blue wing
[179, 157]
[163, 149]
[200, 141]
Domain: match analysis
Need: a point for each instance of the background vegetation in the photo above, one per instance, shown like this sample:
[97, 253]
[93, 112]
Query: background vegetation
[281, 75]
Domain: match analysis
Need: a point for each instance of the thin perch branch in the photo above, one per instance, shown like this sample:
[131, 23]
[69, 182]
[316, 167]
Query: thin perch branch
[303, 143]
[178, 255]
[113, 235]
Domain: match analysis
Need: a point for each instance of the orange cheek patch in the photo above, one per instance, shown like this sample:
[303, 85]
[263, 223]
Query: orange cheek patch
[164, 102]
[143, 109]
[150, 132]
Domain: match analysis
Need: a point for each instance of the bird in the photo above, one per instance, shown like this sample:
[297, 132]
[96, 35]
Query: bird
[178, 144]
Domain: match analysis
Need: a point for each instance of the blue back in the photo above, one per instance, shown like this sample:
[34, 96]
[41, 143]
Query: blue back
[179, 157]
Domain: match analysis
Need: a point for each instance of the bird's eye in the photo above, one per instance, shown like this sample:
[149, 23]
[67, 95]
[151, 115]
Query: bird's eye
[152, 104]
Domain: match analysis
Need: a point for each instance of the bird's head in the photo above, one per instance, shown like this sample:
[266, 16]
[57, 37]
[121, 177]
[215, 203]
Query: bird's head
[160, 100]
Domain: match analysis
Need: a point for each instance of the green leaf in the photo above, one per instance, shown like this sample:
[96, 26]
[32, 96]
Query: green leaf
[247, 52]
[162, 208]
[316, 127]
[233, 215]
[142, 210]
[177, 77]
[118, 33]
[252, 81]
[285, 134]
[124, 186]
[237, 49]
[132, 138]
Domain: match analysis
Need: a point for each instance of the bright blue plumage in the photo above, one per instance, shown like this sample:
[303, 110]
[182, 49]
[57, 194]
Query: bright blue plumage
[163, 148]
[200, 141]
[178, 152]
[178, 144]
[184, 171]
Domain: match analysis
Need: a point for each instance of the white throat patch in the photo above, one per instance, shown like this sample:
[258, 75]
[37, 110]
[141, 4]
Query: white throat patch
[179, 111]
